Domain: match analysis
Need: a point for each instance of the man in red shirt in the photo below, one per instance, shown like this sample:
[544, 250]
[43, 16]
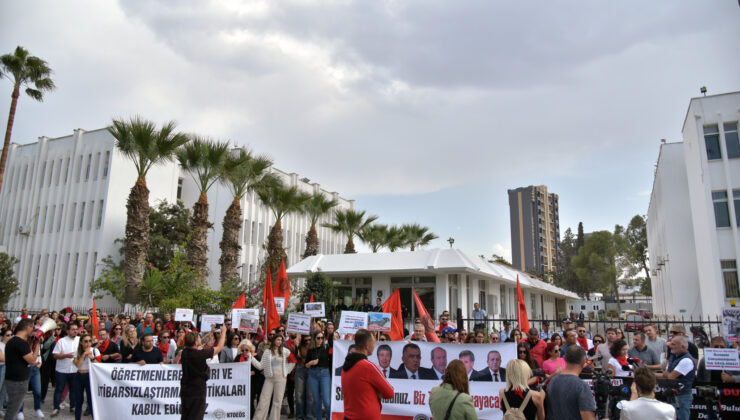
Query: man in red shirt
[537, 347]
[365, 379]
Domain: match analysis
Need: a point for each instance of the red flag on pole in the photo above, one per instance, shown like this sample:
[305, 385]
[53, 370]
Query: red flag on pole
[426, 320]
[240, 303]
[393, 307]
[94, 321]
[268, 285]
[272, 319]
[282, 284]
[311, 298]
[521, 313]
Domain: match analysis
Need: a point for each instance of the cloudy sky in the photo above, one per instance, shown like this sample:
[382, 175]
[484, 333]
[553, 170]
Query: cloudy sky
[422, 111]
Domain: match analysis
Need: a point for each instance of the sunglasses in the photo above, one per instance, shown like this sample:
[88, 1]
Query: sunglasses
[522, 352]
[87, 341]
[555, 350]
[494, 338]
[383, 339]
[319, 337]
[598, 341]
[675, 332]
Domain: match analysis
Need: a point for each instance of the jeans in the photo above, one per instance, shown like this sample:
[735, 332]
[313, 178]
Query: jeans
[16, 390]
[301, 377]
[2, 385]
[319, 381]
[64, 379]
[82, 382]
[683, 406]
[34, 379]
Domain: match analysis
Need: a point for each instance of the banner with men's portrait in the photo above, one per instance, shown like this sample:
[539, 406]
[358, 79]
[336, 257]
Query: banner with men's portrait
[402, 361]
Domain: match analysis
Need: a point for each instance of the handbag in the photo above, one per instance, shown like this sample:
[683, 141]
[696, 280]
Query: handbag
[449, 409]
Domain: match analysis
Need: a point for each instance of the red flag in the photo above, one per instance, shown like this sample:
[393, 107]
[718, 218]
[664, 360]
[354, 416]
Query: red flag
[521, 313]
[426, 320]
[268, 285]
[240, 303]
[272, 319]
[311, 298]
[94, 321]
[282, 284]
[393, 307]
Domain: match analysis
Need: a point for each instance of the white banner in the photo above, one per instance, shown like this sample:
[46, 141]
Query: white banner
[731, 323]
[128, 391]
[299, 324]
[207, 320]
[280, 305]
[411, 397]
[350, 322]
[315, 309]
[721, 359]
[182, 314]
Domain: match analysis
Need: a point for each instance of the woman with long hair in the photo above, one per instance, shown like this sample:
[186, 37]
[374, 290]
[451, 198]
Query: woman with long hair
[618, 364]
[453, 395]
[516, 393]
[515, 336]
[523, 353]
[554, 363]
[276, 367]
[116, 333]
[85, 355]
[598, 339]
[231, 351]
[556, 338]
[167, 346]
[128, 343]
[318, 362]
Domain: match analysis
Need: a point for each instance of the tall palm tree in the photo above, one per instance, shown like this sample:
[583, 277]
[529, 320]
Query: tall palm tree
[317, 206]
[23, 70]
[350, 223]
[417, 235]
[147, 146]
[204, 159]
[243, 172]
[282, 200]
[376, 236]
[394, 238]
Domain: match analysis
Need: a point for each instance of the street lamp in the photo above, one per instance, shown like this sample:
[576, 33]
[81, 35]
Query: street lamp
[451, 241]
[704, 90]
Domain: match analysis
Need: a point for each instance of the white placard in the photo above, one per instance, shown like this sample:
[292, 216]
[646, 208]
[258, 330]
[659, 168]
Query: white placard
[280, 305]
[731, 323]
[207, 320]
[182, 314]
[315, 309]
[299, 324]
[245, 319]
[352, 321]
[721, 359]
[378, 321]
[118, 395]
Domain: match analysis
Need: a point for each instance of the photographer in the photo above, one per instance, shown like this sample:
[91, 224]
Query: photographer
[642, 403]
[567, 395]
[681, 367]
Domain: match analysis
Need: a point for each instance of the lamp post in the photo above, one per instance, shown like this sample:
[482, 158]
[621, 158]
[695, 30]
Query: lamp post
[451, 241]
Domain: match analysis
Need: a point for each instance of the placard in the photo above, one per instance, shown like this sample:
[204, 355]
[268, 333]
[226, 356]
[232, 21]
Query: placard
[378, 321]
[182, 314]
[315, 309]
[352, 321]
[280, 305]
[731, 323]
[245, 319]
[207, 320]
[299, 324]
[721, 359]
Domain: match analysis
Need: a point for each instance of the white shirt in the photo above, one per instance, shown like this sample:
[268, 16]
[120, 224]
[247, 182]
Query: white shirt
[66, 345]
[85, 365]
[387, 371]
[409, 373]
[436, 372]
[617, 368]
[685, 366]
[494, 374]
[2, 350]
[647, 408]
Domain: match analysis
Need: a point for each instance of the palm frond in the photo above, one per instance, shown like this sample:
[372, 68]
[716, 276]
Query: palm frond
[317, 206]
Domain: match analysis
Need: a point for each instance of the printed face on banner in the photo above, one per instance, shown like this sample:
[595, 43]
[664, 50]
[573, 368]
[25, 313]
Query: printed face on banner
[280, 305]
[731, 323]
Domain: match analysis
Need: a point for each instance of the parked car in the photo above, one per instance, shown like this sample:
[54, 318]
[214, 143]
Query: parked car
[635, 322]
[627, 312]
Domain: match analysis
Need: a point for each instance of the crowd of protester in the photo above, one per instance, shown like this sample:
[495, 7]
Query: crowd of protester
[291, 373]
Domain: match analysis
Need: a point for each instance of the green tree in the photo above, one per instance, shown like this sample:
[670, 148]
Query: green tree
[204, 159]
[169, 228]
[316, 207]
[8, 282]
[595, 264]
[282, 200]
[580, 238]
[27, 71]
[243, 172]
[146, 146]
[565, 274]
[495, 258]
[394, 238]
[417, 235]
[375, 236]
[321, 287]
[350, 223]
[633, 253]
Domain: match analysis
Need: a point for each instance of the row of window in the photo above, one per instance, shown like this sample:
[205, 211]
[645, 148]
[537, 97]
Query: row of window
[722, 209]
[37, 287]
[712, 141]
[52, 173]
[729, 274]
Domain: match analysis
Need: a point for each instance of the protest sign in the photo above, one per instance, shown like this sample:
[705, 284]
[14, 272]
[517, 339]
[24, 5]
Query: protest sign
[352, 321]
[128, 391]
[207, 320]
[245, 319]
[378, 321]
[280, 305]
[315, 309]
[182, 314]
[411, 397]
[721, 359]
[731, 323]
[299, 324]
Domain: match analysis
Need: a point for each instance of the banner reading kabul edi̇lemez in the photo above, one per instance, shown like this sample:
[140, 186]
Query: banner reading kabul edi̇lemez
[128, 391]
[485, 363]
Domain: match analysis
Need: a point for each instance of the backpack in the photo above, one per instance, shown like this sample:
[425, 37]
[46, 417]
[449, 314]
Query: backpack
[516, 413]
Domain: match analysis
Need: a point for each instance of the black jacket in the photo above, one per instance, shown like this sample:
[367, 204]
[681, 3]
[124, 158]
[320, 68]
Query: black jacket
[485, 375]
[422, 373]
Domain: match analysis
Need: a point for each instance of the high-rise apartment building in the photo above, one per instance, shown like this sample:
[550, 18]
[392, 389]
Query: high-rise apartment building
[535, 228]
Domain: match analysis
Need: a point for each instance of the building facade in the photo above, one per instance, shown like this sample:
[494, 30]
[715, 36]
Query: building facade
[535, 228]
[63, 204]
[694, 212]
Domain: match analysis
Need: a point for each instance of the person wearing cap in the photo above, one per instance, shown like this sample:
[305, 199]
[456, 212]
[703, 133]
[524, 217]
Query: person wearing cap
[449, 332]
[503, 335]
[567, 324]
[545, 334]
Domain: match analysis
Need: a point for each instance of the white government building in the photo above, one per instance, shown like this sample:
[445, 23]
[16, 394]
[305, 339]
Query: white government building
[694, 212]
[63, 203]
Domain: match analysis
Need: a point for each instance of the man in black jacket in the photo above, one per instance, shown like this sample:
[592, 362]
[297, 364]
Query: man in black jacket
[493, 372]
[410, 368]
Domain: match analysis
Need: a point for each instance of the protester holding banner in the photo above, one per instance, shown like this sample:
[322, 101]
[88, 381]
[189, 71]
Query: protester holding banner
[364, 379]
[318, 361]
[85, 355]
[452, 400]
[276, 368]
[517, 395]
[195, 372]
[108, 349]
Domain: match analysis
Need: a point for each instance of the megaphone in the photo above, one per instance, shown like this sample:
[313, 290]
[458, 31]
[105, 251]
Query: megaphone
[48, 325]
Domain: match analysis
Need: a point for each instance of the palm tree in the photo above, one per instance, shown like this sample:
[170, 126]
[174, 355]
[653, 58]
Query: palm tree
[376, 236]
[317, 206]
[25, 70]
[282, 200]
[417, 235]
[204, 159]
[243, 172]
[394, 238]
[350, 223]
[146, 146]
